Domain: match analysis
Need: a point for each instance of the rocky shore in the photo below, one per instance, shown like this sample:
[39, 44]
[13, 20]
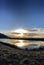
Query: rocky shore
[14, 56]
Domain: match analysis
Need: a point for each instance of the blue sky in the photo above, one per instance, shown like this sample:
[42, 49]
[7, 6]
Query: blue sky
[21, 14]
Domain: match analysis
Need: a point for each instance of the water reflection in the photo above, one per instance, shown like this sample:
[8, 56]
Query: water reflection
[20, 43]
[24, 43]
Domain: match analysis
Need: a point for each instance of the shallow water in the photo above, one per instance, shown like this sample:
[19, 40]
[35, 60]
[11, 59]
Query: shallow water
[24, 43]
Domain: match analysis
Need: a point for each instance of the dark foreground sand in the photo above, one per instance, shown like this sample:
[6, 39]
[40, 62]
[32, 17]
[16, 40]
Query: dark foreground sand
[14, 56]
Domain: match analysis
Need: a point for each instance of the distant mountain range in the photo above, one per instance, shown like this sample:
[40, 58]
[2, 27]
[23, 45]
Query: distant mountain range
[8, 37]
[3, 36]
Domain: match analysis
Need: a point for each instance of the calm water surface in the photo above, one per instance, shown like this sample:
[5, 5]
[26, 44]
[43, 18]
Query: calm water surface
[24, 43]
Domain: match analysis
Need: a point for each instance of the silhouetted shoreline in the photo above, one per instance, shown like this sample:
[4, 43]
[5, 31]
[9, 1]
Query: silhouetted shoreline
[3, 36]
[32, 39]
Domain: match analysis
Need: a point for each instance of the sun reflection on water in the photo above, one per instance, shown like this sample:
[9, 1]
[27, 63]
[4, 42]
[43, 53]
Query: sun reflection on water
[20, 43]
[24, 43]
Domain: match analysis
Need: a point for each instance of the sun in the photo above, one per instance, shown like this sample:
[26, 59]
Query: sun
[21, 31]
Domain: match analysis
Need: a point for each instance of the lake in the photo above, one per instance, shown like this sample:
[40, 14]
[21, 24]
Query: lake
[24, 43]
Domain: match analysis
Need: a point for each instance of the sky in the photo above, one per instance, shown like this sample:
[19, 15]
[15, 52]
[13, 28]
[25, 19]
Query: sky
[21, 14]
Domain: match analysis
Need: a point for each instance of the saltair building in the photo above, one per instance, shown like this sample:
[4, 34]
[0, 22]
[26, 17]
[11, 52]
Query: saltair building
[27, 33]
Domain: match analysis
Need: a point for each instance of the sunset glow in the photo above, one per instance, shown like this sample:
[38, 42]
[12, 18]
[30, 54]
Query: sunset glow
[20, 35]
[21, 31]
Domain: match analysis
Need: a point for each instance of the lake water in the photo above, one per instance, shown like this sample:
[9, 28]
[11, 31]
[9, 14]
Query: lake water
[24, 43]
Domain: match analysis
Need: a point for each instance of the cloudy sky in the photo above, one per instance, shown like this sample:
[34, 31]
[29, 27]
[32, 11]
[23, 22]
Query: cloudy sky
[21, 14]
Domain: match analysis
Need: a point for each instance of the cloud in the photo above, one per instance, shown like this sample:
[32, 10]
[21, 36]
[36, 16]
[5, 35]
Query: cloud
[33, 33]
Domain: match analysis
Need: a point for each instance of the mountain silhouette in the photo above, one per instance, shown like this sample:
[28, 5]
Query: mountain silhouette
[3, 36]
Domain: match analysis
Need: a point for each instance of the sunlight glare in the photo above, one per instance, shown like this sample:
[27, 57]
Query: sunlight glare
[20, 44]
[21, 31]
